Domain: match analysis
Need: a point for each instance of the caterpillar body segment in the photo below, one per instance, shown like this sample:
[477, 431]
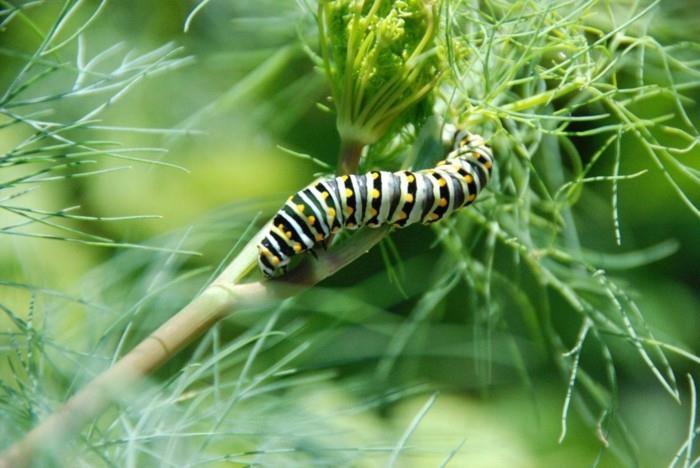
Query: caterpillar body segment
[377, 198]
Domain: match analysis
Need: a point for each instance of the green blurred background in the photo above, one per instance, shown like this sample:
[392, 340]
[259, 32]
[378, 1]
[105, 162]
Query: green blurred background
[248, 89]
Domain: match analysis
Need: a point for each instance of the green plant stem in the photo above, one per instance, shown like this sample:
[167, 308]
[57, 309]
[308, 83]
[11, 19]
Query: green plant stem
[96, 396]
[543, 98]
[217, 301]
[349, 157]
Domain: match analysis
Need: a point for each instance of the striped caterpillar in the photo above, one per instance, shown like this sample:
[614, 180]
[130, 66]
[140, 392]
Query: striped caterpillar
[397, 198]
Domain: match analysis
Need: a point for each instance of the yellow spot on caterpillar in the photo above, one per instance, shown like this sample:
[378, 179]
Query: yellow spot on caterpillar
[319, 237]
[275, 261]
[265, 251]
[443, 202]
[408, 197]
[290, 198]
[487, 165]
[312, 219]
[335, 229]
[331, 212]
[348, 193]
[410, 178]
[373, 212]
[375, 175]
[472, 197]
[344, 178]
[325, 195]
[469, 179]
[442, 182]
[403, 215]
[300, 208]
[433, 217]
[350, 225]
[349, 210]
[280, 226]
[375, 193]
[297, 247]
[288, 234]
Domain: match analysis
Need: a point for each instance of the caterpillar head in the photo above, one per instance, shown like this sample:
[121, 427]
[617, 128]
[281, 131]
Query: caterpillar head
[270, 264]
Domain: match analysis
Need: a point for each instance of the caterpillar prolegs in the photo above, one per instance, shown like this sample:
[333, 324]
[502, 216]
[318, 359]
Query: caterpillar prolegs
[397, 198]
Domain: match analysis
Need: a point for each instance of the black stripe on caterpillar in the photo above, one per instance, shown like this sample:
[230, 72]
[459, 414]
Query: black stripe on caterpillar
[398, 198]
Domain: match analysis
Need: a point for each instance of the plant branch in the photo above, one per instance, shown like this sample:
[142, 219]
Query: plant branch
[349, 157]
[216, 301]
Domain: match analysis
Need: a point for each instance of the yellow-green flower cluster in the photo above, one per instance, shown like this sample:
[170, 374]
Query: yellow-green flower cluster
[380, 60]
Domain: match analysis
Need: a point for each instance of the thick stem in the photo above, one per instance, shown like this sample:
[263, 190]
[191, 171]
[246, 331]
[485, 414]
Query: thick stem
[151, 353]
[215, 302]
[349, 157]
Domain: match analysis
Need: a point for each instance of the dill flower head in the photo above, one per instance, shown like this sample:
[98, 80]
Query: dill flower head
[380, 61]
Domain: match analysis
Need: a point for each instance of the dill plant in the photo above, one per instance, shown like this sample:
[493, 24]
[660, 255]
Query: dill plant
[567, 93]
[41, 147]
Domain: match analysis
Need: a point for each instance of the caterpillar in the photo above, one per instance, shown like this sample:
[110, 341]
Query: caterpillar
[400, 199]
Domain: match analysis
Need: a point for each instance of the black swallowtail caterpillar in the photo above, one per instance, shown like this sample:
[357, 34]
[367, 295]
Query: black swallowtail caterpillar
[398, 198]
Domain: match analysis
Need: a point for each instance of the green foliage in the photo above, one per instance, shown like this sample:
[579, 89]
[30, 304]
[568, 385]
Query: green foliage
[545, 80]
[51, 115]
[561, 307]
